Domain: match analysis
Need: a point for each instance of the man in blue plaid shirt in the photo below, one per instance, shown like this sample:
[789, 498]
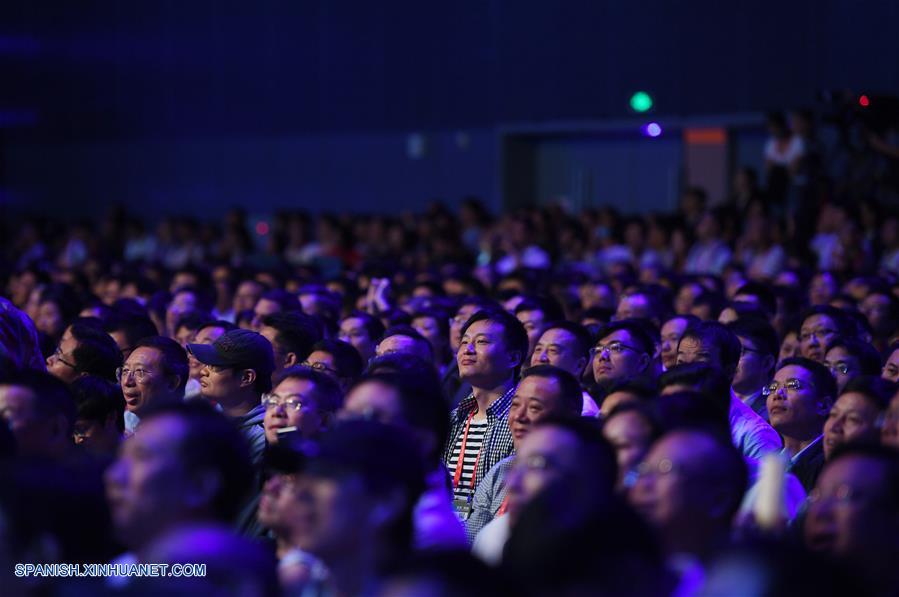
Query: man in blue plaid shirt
[493, 347]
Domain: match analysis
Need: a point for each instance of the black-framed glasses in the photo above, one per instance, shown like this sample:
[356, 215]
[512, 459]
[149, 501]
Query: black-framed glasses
[613, 347]
[818, 334]
[122, 374]
[841, 368]
[57, 356]
[290, 402]
[319, 366]
[791, 385]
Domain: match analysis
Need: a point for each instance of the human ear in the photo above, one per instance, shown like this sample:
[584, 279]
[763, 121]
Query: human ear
[291, 359]
[247, 377]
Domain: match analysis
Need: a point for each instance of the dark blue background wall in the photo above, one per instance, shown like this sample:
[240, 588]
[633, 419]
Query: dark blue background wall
[311, 100]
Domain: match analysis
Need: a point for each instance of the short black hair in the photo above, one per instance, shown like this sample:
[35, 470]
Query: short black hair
[876, 390]
[372, 324]
[571, 394]
[96, 353]
[690, 409]
[174, 357]
[582, 340]
[96, 399]
[638, 331]
[441, 318]
[712, 333]
[867, 355]
[286, 300]
[327, 394]
[658, 297]
[405, 364]
[845, 326]
[821, 377]
[193, 320]
[346, 358]
[133, 327]
[482, 302]
[550, 307]
[746, 310]
[713, 299]
[690, 319]
[760, 332]
[409, 332]
[596, 454]
[421, 401]
[52, 396]
[515, 337]
[701, 377]
[212, 442]
[766, 298]
[218, 323]
[640, 386]
[65, 298]
[297, 332]
[648, 412]
[601, 313]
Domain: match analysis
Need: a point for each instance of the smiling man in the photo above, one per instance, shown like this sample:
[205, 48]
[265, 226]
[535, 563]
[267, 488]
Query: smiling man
[303, 398]
[493, 347]
[624, 349]
[155, 373]
[566, 345]
[544, 391]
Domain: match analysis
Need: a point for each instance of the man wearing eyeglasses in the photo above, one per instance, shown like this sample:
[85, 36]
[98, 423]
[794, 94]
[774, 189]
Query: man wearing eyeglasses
[799, 400]
[84, 350]
[689, 487]
[624, 349]
[292, 335]
[155, 373]
[305, 399]
[713, 343]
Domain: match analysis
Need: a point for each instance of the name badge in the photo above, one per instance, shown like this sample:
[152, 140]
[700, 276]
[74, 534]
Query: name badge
[463, 508]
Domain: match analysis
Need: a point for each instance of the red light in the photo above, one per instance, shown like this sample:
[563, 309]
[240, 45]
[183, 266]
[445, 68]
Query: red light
[262, 228]
[864, 101]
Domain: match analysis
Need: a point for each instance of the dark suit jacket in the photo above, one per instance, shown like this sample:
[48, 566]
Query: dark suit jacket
[809, 464]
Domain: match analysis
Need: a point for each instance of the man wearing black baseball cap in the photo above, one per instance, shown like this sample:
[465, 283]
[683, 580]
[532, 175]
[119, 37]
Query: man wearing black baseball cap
[237, 371]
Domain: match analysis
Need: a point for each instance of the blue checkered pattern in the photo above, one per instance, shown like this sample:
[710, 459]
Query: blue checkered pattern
[497, 441]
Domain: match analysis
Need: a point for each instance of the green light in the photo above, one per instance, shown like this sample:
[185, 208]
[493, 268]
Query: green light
[641, 102]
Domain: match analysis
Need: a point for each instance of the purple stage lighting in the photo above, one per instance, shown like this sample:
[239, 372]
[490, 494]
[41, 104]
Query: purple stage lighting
[653, 129]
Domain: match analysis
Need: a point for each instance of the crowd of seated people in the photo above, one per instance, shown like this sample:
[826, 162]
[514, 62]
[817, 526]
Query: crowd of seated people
[697, 403]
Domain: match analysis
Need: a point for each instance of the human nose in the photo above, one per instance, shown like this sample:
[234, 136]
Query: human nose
[543, 356]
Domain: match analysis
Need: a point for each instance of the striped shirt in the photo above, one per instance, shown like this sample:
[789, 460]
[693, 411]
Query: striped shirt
[473, 444]
[497, 440]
